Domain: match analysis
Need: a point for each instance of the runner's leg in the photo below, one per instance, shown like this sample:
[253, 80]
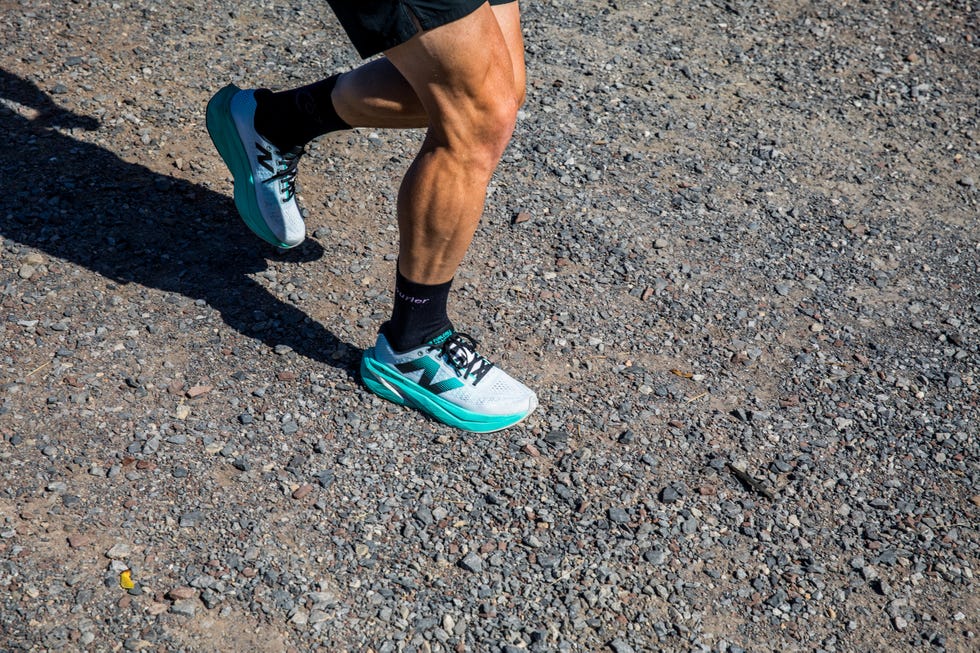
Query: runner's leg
[463, 77]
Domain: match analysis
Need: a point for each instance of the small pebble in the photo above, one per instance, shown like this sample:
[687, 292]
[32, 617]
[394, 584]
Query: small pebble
[472, 562]
[302, 491]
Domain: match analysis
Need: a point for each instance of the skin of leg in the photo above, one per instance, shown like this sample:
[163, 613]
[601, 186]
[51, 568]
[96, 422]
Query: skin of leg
[462, 75]
[509, 18]
[376, 95]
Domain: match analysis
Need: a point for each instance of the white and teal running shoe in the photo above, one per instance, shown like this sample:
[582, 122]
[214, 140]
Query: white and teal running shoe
[265, 176]
[447, 379]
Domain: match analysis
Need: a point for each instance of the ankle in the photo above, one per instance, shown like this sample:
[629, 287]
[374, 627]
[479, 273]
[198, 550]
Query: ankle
[293, 118]
[418, 314]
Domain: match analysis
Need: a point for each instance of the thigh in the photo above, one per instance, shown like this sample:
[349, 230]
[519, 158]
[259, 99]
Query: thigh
[463, 59]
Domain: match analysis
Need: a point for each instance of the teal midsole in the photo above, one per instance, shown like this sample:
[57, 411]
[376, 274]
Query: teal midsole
[393, 386]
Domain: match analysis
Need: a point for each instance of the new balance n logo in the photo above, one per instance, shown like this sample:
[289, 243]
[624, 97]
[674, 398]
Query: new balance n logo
[429, 369]
[265, 157]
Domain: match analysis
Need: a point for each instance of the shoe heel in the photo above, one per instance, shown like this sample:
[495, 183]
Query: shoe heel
[376, 382]
[219, 112]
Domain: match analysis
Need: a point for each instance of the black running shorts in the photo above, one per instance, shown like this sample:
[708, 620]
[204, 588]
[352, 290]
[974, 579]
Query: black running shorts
[377, 25]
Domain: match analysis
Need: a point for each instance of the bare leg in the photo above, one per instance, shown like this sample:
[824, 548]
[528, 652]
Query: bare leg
[463, 77]
[376, 94]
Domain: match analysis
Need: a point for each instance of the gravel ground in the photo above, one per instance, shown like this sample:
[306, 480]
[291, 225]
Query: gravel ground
[734, 246]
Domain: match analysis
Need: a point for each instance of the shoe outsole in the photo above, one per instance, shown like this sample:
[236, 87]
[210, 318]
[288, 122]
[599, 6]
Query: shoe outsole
[395, 387]
[224, 135]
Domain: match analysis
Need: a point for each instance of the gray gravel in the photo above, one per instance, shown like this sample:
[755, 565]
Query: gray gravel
[734, 247]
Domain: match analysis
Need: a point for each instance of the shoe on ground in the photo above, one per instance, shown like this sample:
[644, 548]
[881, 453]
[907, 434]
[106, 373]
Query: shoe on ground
[265, 176]
[447, 379]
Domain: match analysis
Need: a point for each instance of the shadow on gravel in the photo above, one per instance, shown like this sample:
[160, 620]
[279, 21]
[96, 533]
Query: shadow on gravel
[83, 204]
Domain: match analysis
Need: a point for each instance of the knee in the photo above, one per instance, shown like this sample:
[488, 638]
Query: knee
[501, 119]
[474, 118]
[507, 101]
[478, 134]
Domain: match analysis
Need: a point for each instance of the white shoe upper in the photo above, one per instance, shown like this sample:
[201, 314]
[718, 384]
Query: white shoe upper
[272, 176]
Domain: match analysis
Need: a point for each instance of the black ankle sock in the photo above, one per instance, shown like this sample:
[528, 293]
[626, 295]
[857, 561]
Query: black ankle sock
[295, 117]
[419, 313]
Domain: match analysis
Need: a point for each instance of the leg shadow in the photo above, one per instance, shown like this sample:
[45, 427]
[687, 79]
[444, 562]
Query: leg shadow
[83, 204]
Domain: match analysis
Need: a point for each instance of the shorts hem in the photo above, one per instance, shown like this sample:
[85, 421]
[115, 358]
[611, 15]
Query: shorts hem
[376, 27]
